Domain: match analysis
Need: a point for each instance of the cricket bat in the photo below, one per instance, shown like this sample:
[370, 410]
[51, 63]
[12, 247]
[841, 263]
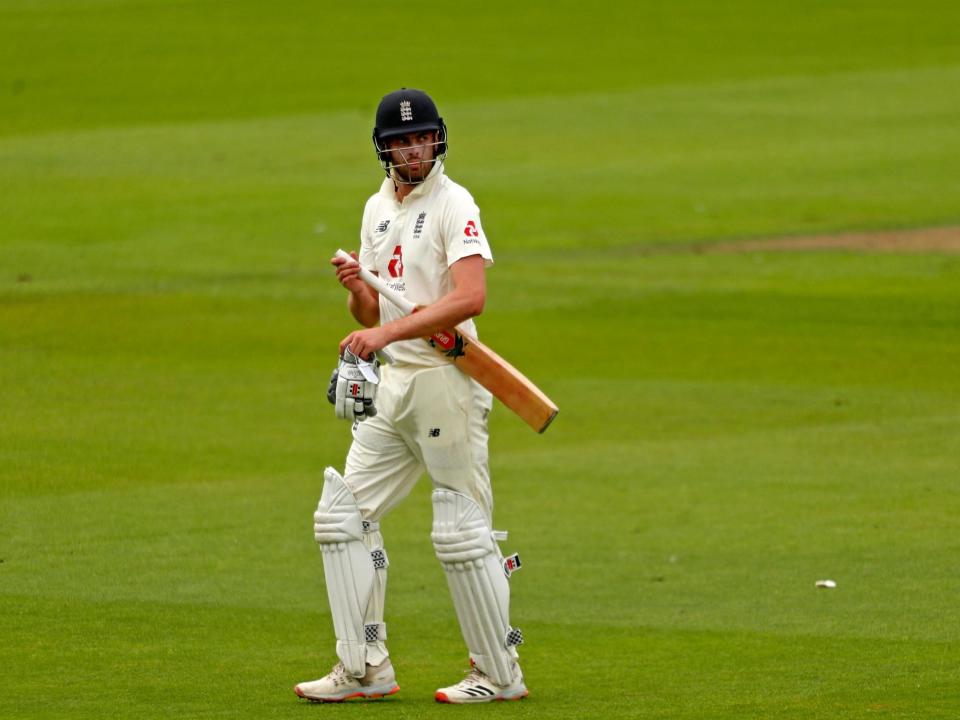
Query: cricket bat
[475, 359]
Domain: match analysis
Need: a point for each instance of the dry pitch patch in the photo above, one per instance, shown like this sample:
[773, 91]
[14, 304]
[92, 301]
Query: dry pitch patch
[920, 240]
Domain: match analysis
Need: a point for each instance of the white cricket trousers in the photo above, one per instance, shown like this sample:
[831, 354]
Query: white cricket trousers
[428, 419]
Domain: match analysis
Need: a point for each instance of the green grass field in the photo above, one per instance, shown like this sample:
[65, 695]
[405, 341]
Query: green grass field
[173, 179]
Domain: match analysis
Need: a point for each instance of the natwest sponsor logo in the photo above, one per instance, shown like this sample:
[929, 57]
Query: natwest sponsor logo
[471, 229]
[395, 266]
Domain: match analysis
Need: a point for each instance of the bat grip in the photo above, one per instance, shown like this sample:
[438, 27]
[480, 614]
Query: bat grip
[380, 286]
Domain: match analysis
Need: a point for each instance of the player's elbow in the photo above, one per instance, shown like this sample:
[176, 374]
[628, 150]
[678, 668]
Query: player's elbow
[474, 303]
[470, 284]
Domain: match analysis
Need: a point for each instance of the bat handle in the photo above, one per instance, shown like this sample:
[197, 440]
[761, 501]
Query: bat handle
[380, 286]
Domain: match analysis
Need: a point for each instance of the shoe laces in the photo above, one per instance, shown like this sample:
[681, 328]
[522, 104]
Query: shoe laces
[339, 675]
[475, 676]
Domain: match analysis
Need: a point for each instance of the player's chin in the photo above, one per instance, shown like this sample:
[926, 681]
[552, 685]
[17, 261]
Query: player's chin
[415, 173]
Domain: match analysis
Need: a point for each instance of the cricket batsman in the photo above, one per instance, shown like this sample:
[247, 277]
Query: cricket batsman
[421, 233]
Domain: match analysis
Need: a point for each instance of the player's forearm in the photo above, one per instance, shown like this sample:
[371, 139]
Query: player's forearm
[364, 306]
[448, 312]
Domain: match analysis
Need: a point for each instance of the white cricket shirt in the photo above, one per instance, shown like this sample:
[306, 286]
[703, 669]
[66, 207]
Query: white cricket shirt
[412, 245]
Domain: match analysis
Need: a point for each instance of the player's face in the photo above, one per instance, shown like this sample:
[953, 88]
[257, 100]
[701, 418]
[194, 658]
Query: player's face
[413, 154]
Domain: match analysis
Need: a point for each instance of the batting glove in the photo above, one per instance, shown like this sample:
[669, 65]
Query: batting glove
[353, 387]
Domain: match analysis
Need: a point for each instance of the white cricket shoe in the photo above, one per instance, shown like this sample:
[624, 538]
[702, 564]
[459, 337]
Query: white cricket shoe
[477, 687]
[339, 685]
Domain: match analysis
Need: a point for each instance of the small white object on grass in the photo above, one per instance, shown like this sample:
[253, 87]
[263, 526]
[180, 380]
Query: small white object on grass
[825, 583]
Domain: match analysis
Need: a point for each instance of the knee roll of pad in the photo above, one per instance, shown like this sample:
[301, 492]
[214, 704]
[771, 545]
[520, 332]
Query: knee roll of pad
[464, 544]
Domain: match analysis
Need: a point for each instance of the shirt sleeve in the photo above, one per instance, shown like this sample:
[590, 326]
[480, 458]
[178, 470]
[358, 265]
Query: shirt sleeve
[368, 257]
[463, 234]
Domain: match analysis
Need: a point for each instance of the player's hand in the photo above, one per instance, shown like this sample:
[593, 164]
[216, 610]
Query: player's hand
[353, 387]
[348, 273]
[364, 343]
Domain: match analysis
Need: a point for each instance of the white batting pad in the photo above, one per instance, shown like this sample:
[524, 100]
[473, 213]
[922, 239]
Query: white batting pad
[464, 544]
[348, 567]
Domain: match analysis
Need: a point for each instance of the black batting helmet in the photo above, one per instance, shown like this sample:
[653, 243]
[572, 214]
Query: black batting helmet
[405, 111]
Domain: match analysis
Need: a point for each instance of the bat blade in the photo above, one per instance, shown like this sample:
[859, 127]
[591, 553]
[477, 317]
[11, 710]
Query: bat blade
[503, 380]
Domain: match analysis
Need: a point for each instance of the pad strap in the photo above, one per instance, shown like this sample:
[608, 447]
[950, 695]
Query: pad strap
[378, 631]
[511, 564]
[379, 557]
